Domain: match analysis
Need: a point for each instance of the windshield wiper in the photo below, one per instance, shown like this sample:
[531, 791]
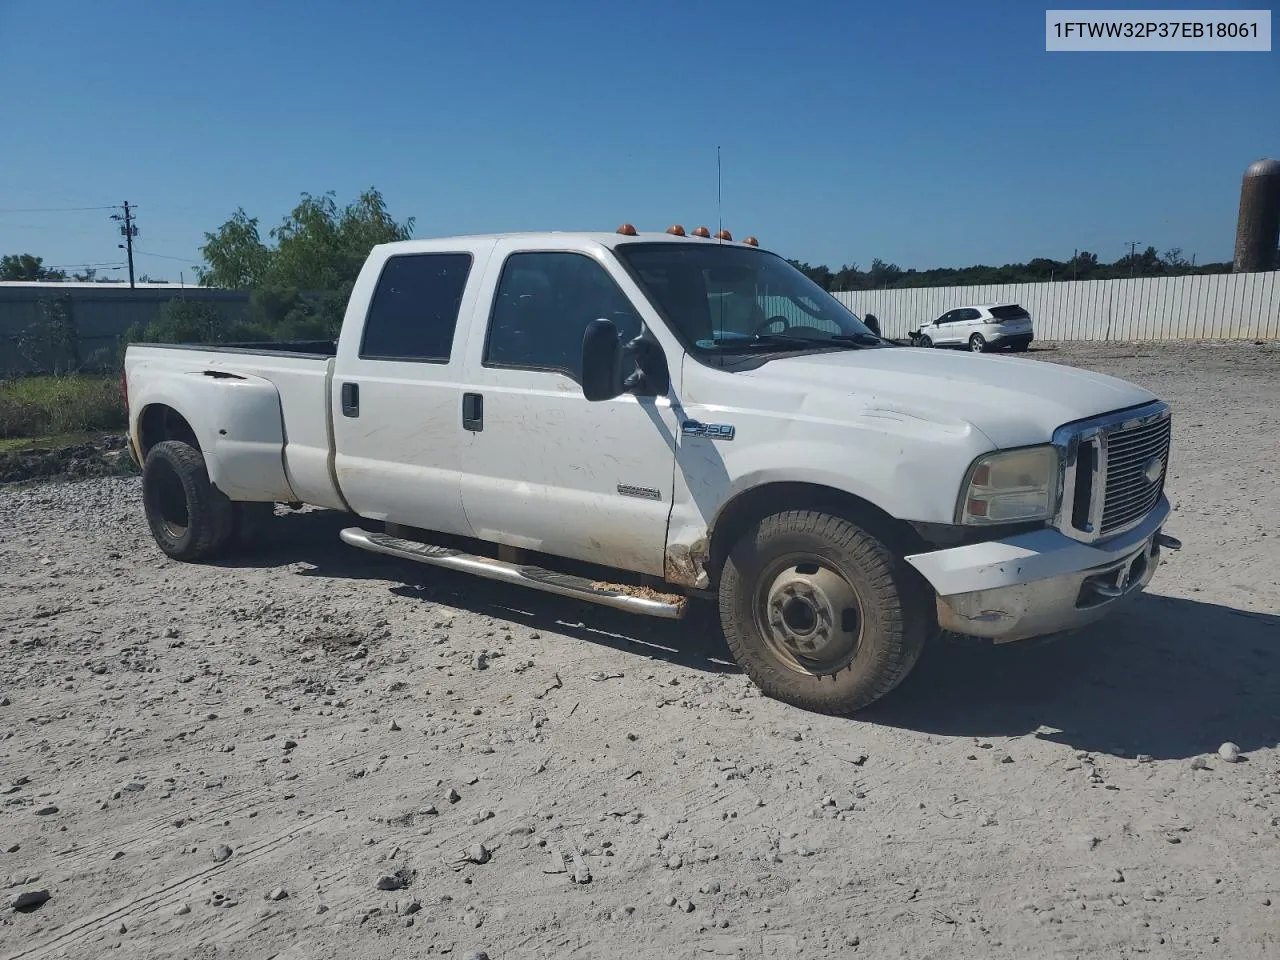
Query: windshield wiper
[768, 340]
[858, 339]
[848, 340]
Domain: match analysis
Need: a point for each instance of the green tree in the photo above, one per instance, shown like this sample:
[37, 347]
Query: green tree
[1084, 266]
[318, 245]
[301, 283]
[1174, 262]
[883, 274]
[234, 254]
[23, 266]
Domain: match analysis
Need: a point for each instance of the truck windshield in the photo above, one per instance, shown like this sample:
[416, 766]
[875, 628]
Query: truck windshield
[723, 298]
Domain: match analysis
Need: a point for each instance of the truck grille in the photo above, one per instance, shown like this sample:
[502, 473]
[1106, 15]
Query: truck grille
[1130, 492]
[1114, 471]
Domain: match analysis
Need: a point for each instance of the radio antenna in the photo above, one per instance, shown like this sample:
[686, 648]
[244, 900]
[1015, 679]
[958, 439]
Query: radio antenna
[719, 208]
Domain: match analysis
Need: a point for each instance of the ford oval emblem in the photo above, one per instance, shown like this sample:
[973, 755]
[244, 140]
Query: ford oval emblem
[1154, 469]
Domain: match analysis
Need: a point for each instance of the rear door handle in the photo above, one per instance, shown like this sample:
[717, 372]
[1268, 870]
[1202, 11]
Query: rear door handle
[472, 412]
[351, 399]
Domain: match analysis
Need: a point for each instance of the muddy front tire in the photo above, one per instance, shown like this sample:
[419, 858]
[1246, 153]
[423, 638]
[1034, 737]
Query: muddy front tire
[189, 517]
[818, 612]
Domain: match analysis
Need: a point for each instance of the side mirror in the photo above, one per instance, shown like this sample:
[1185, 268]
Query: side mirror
[601, 361]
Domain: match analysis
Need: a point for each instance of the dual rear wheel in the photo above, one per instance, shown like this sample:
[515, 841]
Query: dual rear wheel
[189, 517]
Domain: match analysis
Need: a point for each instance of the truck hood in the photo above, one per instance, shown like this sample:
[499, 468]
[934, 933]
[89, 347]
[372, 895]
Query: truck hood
[1013, 401]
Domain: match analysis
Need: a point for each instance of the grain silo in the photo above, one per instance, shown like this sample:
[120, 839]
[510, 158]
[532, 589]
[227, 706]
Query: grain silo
[1258, 229]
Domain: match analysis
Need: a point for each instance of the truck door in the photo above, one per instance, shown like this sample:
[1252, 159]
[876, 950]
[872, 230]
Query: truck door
[396, 391]
[544, 468]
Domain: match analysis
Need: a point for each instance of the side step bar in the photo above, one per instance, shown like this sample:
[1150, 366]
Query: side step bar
[664, 605]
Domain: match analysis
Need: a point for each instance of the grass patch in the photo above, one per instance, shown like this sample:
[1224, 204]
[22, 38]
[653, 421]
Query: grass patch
[48, 407]
[57, 442]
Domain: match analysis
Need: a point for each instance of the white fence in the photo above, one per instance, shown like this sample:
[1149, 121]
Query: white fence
[1243, 306]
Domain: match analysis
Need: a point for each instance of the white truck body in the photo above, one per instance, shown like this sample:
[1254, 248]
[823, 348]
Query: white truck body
[641, 483]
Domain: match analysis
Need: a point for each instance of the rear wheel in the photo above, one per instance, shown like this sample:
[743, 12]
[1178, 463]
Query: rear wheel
[816, 611]
[190, 519]
[977, 344]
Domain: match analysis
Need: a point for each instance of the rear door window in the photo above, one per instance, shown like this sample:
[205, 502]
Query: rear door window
[414, 311]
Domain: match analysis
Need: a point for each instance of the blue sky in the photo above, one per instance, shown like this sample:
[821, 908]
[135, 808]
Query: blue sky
[927, 134]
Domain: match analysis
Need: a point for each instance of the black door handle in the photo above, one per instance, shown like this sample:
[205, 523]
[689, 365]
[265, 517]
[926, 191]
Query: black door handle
[351, 399]
[472, 412]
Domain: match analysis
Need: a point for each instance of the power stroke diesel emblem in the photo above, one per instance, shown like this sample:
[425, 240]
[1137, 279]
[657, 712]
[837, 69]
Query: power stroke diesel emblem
[644, 493]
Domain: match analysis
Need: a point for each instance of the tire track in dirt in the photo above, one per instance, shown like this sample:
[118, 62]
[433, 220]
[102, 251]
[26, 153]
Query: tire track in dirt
[158, 897]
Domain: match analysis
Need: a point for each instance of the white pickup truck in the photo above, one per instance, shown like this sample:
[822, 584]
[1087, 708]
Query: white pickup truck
[640, 419]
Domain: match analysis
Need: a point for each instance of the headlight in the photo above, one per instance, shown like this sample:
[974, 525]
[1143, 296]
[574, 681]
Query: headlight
[1011, 486]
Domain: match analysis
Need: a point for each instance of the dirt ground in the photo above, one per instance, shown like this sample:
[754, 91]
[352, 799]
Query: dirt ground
[233, 761]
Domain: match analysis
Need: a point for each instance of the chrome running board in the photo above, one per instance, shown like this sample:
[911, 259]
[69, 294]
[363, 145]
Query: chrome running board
[667, 606]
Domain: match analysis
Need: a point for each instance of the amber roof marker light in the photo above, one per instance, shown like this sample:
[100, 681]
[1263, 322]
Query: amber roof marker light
[751, 242]
[724, 235]
[702, 232]
[627, 230]
[676, 230]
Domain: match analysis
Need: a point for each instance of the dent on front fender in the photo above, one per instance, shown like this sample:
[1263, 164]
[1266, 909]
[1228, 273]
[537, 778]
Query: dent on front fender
[685, 564]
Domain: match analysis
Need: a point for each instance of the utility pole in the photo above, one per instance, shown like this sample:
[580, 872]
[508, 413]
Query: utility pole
[129, 230]
[1133, 256]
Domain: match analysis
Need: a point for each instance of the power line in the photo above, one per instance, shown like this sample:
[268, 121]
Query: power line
[52, 209]
[165, 256]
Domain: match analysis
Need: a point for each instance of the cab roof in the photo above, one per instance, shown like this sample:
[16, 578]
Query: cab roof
[610, 239]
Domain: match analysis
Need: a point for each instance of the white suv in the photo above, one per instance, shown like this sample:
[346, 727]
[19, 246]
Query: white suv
[978, 328]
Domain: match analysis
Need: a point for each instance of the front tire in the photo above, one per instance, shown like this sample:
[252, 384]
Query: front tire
[816, 611]
[924, 341]
[190, 518]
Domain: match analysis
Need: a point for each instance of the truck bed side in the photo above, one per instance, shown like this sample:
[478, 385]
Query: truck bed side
[261, 418]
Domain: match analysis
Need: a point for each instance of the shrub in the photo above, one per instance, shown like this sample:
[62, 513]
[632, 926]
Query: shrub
[52, 406]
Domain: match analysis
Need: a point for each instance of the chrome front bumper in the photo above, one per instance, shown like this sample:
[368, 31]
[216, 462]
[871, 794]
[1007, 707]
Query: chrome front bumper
[1043, 582]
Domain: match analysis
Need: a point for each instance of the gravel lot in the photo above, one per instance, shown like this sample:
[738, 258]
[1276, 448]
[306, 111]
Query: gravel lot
[231, 761]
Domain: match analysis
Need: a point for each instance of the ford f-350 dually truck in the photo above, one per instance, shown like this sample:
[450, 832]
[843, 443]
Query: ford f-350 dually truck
[640, 419]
